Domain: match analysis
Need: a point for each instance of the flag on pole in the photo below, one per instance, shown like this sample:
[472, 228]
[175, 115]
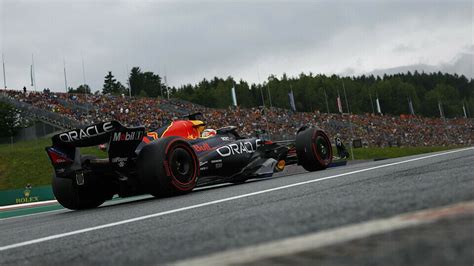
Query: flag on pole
[339, 104]
[4, 76]
[410, 106]
[31, 74]
[234, 97]
[379, 110]
[440, 107]
[291, 98]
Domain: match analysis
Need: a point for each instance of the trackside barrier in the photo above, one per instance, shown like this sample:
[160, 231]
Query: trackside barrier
[26, 195]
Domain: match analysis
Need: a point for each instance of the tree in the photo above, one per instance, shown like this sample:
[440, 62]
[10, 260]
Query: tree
[84, 89]
[112, 86]
[135, 81]
[148, 82]
[11, 120]
[310, 91]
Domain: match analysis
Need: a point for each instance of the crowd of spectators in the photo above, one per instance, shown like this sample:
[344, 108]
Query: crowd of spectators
[372, 130]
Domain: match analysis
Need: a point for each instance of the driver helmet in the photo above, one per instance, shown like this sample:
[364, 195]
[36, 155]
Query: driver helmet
[208, 132]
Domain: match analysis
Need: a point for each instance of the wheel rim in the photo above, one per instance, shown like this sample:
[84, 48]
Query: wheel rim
[322, 148]
[181, 165]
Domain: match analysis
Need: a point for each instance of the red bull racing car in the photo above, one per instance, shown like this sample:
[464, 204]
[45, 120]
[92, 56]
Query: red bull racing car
[171, 160]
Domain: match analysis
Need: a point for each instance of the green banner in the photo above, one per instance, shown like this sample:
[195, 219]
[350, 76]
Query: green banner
[27, 195]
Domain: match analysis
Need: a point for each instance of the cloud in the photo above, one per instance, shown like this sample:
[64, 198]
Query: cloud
[191, 40]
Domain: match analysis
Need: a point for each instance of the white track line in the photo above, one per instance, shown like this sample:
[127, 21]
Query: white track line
[145, 217]
[33, 214]
[25, 205]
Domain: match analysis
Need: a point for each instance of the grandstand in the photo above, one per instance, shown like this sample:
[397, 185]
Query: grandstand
[75, 110]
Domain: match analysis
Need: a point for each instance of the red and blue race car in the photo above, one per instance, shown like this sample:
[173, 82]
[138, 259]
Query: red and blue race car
[171, 160]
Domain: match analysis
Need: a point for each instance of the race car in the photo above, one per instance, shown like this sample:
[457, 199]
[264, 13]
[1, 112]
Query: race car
[171, 160]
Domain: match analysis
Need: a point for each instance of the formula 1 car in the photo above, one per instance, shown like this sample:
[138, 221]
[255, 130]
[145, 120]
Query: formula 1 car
[171, 160]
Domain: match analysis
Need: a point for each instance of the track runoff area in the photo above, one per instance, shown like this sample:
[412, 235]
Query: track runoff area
[289, 217]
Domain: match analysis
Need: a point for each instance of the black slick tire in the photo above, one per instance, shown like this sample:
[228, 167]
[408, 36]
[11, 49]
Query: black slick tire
[75, 197]
[313, 149]
[168, 167]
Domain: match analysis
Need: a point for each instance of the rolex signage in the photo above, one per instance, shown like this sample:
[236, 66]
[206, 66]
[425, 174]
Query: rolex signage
[28, 194]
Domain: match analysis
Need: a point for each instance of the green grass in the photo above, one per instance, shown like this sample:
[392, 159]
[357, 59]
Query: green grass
[27, 162]
[393, 152]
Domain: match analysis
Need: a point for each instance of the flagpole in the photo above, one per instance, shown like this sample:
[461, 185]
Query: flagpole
[65, 76]
[261, 91]
[371, 102]
[33, 71]
[339, 104]
[464, 109]
[269, 95]
[264, 115]
[167, 89]
[377, 102]
[410, 106]
[84, 81]
[83, 70]
[326, 98]
[127, 72]
[166, 86]
[440, 107]
[4, 75]
[350, 121]
[291, 97]
[345, 97]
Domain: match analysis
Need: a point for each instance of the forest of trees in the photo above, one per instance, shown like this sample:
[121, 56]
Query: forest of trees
[311, 91]
[426, 91]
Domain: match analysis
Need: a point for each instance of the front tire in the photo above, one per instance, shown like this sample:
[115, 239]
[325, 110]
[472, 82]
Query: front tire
[168, 167]
[313, 149]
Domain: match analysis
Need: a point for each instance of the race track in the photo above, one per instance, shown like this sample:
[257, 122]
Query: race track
[210, 220]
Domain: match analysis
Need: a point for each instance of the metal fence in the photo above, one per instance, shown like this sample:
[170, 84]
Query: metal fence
[43, 115]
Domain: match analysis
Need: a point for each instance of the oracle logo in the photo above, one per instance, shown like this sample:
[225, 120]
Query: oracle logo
[238, 148]
[88, 132]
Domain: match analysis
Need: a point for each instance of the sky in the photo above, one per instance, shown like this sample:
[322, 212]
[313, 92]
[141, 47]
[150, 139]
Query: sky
[191, 40]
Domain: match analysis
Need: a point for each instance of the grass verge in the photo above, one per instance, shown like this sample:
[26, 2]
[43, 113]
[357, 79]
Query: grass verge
[27, 162]
[394, 152]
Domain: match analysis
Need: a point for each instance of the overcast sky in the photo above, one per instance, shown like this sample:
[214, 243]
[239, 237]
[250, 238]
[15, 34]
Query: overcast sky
[192, 40]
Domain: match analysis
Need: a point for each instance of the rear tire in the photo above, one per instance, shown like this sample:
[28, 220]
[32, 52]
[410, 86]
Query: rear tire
[72, 196]
[168, 167]
[313, 149]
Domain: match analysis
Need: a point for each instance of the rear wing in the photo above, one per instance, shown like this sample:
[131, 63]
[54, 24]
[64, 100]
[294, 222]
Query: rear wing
[122, 143]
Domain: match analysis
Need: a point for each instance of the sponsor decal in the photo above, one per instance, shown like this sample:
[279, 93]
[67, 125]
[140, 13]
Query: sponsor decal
[88, 132]
[238, 148]
[218, 165]
[225, 138]
[152, 135]
[27, 196]
[216, 161]
[119, 161]
[204, 168]
[203, 163]
[127, 136]
[202, 147]
[57, 157]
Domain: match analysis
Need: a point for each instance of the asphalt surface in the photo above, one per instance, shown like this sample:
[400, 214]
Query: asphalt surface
[446, 242]
[280, 212]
